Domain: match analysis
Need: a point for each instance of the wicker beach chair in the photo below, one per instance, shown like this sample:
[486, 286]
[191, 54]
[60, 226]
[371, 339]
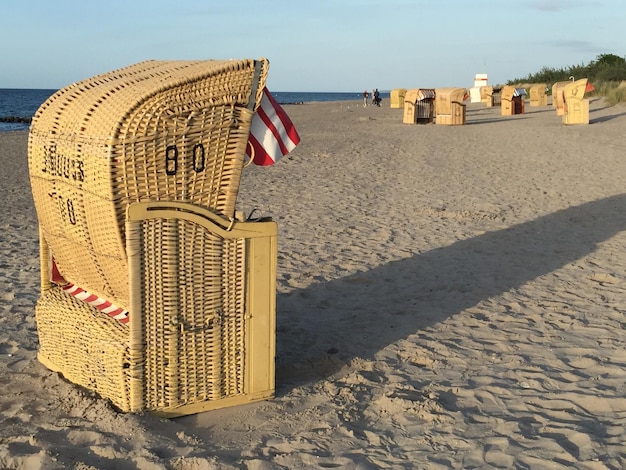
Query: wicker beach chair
[486, 95]
[512, 100]
[538, 95]
[449, 107]
[396, 97]
[558, 100]
[135, 175]
[576, 106]
[419, 106]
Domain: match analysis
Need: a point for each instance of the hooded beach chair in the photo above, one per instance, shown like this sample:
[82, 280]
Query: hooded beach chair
[396, 97]
[449, 107]
[558, 100]
[512, 101]
[576, 106]
[538, 95]
[155, 294]
[419, 106]
[486, 95]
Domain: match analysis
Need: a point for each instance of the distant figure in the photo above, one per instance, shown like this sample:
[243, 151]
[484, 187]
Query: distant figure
[376, 99]
[365, 96]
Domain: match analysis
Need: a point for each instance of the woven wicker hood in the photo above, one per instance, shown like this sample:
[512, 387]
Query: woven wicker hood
[153, 131]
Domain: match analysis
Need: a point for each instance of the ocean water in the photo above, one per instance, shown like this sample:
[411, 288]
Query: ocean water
[306, 97]
[23, 103]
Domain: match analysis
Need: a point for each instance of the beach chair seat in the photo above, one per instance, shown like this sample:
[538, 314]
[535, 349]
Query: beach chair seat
[496, 95]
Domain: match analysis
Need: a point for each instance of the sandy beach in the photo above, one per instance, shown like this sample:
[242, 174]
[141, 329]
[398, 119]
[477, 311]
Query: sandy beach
[448, 297]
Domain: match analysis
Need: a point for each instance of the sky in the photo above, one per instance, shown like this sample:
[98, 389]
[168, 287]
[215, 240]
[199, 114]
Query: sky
[312, 45]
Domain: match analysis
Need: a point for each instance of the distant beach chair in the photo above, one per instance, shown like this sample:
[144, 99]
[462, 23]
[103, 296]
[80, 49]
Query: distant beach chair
[538, 96]
[576, 105]
[396, 97]
[486, 95]
[512, 101]
[558, 100]
[135, 175]
[419, 106]
[449, 107]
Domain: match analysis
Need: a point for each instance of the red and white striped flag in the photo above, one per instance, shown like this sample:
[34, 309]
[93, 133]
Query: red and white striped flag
[272, 134]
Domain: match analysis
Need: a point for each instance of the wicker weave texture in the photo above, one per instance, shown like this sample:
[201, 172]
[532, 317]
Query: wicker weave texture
[87, 347]
[511, 104]
[201, 333]
[153, 131]
[193, 325]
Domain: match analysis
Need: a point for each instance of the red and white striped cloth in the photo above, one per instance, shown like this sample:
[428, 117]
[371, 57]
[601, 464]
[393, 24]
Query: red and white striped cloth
[272, 134]
[99, 303]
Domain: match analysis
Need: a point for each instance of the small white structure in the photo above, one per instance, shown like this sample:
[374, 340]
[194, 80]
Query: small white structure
[480, 80]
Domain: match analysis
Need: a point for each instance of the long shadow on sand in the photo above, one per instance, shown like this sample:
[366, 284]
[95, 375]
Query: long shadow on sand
[492, 120]
[605, 118]
[359, 315]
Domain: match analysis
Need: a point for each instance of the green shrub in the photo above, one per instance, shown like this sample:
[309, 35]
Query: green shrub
[607, 73]
[613, 92]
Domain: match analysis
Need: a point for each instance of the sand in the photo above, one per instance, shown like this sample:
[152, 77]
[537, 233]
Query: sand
[448, 297]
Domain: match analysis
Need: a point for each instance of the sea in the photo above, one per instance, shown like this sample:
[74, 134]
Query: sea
[18, 106]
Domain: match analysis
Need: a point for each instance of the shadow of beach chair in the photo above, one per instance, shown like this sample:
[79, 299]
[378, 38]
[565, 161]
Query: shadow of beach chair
[135, 175]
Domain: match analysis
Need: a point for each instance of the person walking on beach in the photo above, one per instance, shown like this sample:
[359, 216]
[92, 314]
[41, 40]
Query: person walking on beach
[376, 97]
[365, 96]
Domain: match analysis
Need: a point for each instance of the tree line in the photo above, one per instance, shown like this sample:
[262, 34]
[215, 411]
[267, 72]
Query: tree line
[607, 73]
[605, 68]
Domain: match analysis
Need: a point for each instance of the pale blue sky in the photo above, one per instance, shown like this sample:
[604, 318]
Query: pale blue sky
[323, 45]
